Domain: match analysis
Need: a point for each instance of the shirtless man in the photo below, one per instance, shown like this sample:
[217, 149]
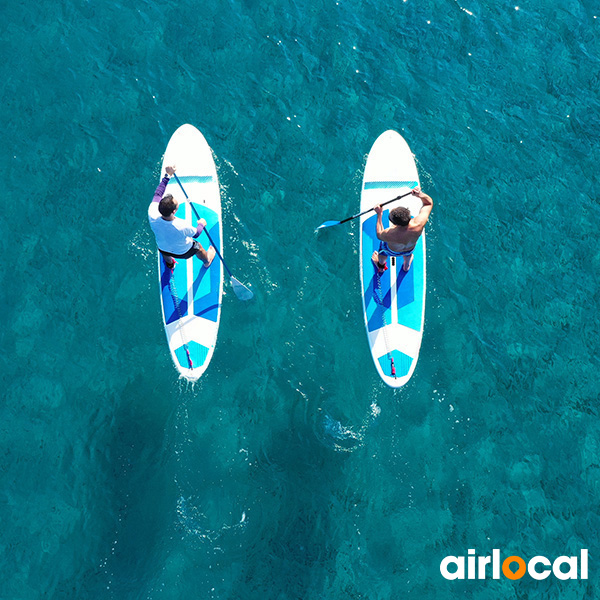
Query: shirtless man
[174, 235]
[401, 237]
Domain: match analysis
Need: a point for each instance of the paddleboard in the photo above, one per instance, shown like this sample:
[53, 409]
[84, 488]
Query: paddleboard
[191, 294]
[394, 302]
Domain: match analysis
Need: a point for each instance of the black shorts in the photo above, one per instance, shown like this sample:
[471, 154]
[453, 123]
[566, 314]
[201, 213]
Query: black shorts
[195, 247]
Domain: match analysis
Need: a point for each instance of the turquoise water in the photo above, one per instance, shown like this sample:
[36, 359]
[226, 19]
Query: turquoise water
[290, 471]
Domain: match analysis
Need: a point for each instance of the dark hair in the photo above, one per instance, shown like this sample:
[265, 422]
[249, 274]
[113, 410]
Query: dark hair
[166, 206]
[400, 216]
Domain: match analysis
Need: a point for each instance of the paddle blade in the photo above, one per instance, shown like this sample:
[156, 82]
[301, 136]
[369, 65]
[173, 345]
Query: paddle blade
[327, 224]
[241, 291]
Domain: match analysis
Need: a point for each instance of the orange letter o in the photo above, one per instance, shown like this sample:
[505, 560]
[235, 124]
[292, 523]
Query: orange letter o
[519, 572]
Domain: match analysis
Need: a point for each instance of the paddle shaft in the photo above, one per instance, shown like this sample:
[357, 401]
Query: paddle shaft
[206, 228]
[370, 209]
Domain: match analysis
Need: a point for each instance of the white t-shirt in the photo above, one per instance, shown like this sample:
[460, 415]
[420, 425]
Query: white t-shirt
[174, 236]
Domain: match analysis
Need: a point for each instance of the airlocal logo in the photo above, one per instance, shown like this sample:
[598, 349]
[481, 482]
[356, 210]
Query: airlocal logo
[514, 567]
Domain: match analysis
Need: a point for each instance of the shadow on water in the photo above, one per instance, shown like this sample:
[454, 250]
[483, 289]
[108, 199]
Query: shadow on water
[291, 535]
[207, 507]
[141, 493]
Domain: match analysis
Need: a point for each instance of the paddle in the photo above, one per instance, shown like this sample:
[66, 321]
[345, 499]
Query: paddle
[332, 223]
[241, 291]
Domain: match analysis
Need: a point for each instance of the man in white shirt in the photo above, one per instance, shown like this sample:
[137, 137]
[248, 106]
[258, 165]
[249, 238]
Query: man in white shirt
[173, 235]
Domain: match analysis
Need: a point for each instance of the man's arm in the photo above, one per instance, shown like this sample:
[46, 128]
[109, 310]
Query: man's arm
[382, 232]
[160, 190]
[421, 219]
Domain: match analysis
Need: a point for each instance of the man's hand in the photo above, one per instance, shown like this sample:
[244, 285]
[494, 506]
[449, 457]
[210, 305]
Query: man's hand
[378, 209]
[170, 171]
[416, 191]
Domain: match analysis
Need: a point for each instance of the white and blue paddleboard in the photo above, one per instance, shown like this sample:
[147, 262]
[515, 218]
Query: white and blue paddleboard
[394, 302]
[191, 294]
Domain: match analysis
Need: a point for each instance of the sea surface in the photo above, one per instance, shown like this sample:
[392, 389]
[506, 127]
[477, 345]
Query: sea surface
[290, 471]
